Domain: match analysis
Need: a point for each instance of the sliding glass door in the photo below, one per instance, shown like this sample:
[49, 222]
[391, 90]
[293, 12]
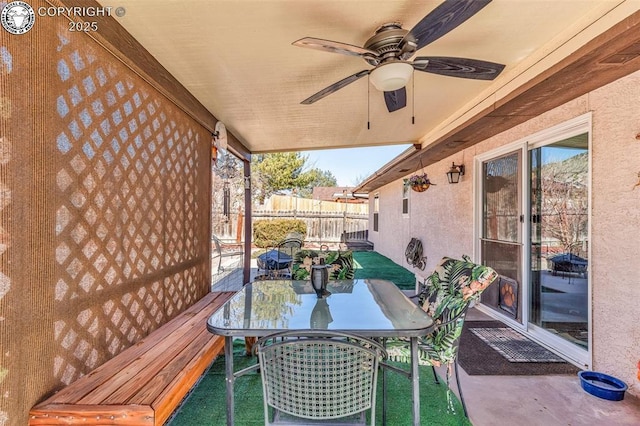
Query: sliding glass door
[559, 238]
[533, 229]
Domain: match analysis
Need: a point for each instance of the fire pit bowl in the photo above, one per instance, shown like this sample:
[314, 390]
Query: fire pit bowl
[602, 385]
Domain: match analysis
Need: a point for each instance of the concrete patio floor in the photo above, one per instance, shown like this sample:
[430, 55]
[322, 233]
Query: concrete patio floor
[551, 400]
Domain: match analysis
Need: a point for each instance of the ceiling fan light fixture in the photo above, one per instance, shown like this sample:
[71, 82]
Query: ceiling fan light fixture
[391, 76]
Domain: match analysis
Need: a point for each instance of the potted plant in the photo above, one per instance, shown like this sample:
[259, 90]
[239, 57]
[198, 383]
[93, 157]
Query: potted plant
[418, 183]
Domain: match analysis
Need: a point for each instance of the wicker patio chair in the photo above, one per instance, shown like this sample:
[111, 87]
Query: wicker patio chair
[318, 377]
[445, 295]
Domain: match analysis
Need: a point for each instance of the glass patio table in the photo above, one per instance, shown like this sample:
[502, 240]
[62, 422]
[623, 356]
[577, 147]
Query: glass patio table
[368, 307]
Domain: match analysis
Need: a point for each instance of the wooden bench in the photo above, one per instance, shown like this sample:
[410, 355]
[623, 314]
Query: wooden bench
[146, 382]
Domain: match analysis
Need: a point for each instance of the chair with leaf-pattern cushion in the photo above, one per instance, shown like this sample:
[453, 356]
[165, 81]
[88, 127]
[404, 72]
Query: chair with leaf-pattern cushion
[445, 295]
[340, 264]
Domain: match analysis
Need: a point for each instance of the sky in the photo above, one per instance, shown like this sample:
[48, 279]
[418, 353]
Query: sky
[352, 165]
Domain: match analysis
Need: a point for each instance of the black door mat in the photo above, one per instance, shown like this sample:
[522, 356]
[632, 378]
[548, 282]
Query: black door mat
[476, 357]
[514, 346]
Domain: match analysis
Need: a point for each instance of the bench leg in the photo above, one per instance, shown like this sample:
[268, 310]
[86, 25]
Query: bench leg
[248, 344]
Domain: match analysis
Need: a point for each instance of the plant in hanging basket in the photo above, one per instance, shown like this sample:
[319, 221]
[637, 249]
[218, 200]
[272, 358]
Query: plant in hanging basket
[418, 183]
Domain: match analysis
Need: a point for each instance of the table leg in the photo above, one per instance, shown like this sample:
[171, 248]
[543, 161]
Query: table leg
[415, 381]
[383, 371]
[228, 358]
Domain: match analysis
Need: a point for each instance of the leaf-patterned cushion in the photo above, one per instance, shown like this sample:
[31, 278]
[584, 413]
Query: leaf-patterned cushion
[340, 262]
[445, 295]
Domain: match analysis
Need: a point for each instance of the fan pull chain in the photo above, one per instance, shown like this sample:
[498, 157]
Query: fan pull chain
[368, 103]
[413, 97]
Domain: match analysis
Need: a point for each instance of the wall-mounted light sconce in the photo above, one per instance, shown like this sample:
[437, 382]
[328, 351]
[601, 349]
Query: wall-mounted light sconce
[247, 183]
[454, 173]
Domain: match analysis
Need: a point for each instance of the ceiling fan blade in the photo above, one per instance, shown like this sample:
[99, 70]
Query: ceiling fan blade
[441, 20]
[335, 87]
[396, 99]
[334, 47]
[458, 67]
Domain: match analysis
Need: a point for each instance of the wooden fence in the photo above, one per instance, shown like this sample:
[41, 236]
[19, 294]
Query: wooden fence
[330, 226]
[327, 222]
[287, 202]
[324, 227]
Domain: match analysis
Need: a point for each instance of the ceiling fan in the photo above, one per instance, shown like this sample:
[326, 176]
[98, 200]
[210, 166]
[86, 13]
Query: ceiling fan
[391, 47]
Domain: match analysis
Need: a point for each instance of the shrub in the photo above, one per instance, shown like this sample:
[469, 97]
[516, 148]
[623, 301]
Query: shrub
[269, 233]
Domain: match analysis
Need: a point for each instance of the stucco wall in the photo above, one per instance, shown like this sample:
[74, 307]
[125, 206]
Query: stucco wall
[442, 217]
[616, 228]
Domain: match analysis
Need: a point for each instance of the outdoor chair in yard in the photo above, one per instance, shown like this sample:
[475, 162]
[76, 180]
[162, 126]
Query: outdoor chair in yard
[310, 376]
[276, 263]
[445, 295]
[341, 266]
[221, 251]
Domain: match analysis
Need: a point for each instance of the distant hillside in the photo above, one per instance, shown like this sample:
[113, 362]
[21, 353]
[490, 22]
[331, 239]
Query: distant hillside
[571, 170]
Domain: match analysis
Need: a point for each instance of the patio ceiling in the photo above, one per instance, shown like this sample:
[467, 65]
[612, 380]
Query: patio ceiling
[237, 60]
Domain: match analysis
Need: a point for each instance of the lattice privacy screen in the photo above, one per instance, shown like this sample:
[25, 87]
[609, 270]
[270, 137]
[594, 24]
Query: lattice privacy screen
[104, 211]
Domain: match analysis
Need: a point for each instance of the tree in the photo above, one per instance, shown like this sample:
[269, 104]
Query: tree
[283, 171]
[360, 178]
[564, 202]
[320, 178]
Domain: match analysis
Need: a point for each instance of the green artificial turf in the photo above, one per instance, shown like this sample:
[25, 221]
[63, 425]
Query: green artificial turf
[207, 402]
[206, 405]
[370, 264]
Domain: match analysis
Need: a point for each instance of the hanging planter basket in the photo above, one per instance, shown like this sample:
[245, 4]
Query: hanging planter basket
[418, 183]
[420, 187]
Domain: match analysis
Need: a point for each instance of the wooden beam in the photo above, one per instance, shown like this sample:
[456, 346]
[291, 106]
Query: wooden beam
[248, 219]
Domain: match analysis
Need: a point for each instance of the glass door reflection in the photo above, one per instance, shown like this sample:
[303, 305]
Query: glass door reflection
[559, 239]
